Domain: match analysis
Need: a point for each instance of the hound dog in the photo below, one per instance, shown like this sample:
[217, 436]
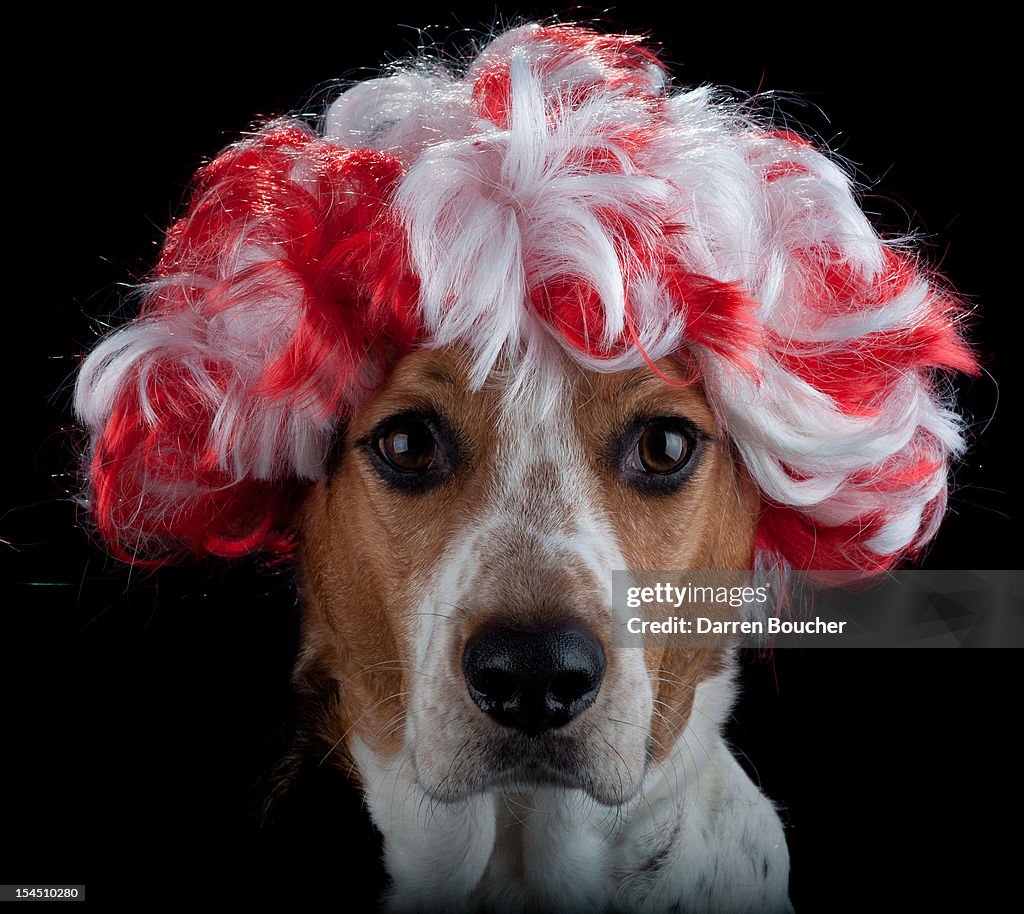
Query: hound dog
[489, 332]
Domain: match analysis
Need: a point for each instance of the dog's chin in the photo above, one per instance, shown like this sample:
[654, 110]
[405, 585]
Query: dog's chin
[521, 765]
[528, 778]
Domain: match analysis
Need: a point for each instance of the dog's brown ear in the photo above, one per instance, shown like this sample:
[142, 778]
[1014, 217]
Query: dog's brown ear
[257, 331]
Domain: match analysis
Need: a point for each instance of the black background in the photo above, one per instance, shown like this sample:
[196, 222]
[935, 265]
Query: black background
[142, 710]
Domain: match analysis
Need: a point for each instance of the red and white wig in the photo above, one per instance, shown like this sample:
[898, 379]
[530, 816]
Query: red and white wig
[557, 194]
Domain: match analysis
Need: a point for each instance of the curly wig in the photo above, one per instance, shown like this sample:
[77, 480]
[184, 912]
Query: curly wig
[557, 196]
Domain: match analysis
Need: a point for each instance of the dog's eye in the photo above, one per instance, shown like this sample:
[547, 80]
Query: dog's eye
[413, 451]
[409, 446]
[658, 455]
[662, 448]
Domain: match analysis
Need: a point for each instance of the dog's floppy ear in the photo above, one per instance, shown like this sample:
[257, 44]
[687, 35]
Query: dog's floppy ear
[257, 333]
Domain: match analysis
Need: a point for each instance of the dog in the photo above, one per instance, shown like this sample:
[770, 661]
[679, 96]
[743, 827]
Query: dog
[486, 335]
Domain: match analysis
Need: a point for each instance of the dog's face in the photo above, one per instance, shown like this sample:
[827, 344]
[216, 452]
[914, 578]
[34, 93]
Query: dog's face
[457, 564]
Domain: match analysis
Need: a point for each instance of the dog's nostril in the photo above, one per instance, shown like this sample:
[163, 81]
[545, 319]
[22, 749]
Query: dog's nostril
[533, 679]
[496, 685]
[567, 687]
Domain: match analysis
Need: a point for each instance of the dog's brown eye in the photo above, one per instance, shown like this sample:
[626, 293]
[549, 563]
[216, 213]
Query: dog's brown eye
[413, 451]
[409, 446]
[662, 448]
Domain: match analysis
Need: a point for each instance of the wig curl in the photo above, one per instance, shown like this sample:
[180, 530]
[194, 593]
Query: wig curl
[558, 191]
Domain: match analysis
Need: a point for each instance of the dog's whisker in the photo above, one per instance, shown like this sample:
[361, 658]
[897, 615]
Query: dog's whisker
[393, 697]
[391, 726]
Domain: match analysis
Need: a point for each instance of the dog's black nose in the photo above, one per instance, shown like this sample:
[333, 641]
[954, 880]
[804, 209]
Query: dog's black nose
[533, 679]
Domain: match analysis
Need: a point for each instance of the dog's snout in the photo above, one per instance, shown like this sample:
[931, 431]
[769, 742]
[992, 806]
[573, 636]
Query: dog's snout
[533, 679]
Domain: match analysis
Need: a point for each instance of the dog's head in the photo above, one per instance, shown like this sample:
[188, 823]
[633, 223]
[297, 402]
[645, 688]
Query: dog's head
[457, 565]
[488, 336]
